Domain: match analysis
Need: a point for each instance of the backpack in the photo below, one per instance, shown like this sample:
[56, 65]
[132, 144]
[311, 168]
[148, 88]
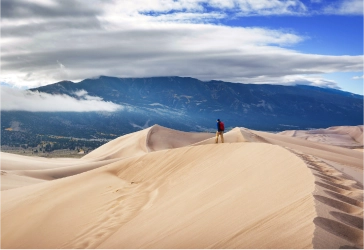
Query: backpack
[221, 126]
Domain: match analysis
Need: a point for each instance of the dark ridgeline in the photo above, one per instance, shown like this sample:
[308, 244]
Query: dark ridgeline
[189, 104]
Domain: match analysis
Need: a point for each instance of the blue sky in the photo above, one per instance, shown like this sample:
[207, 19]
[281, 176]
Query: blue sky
[313, 42]
[325, 35]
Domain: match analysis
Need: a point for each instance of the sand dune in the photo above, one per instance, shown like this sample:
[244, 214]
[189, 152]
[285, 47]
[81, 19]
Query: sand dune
[160, 138]
[236, 135]
[19, 171]
[339, 207]
[125, 146]
[138, 201]
[337, 154]
[11, 180]
[19, 162]
[151, 139]
[343, 136]
[162, 188]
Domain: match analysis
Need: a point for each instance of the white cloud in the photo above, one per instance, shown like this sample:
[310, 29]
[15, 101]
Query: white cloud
[358, 77]
[61, 65]
[314, 80]
[243, 7]
[271, 7]
[345, 7]
[81, 93]
[189, 17]
[25, 100]
[136, 38]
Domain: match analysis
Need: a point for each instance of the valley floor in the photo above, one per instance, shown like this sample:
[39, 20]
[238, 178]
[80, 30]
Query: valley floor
[62, 153]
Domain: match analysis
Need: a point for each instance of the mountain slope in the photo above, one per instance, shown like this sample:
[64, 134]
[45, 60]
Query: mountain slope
[247, 104]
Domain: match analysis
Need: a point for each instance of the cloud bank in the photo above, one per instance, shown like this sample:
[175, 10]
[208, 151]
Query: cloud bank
[25, 100]
[51, 40]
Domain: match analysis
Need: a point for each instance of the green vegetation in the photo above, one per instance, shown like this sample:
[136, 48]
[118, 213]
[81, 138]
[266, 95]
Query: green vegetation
[46, 143]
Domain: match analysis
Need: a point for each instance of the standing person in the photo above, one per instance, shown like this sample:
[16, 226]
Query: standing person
[220, 131]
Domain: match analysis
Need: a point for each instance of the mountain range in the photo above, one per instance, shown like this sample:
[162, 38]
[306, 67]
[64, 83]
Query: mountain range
[265, 107]
[189, 104]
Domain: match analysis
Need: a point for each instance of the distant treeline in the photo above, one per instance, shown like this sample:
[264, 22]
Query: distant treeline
[46, 143]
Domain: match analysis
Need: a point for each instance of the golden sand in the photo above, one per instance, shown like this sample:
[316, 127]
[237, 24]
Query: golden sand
[162, 188]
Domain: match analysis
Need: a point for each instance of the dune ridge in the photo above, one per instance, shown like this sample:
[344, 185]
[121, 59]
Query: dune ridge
[339, 200]
[343, 136]
[162, 188]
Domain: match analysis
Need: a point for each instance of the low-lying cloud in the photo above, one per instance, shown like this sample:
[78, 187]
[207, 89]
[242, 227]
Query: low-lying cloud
[34, 101]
